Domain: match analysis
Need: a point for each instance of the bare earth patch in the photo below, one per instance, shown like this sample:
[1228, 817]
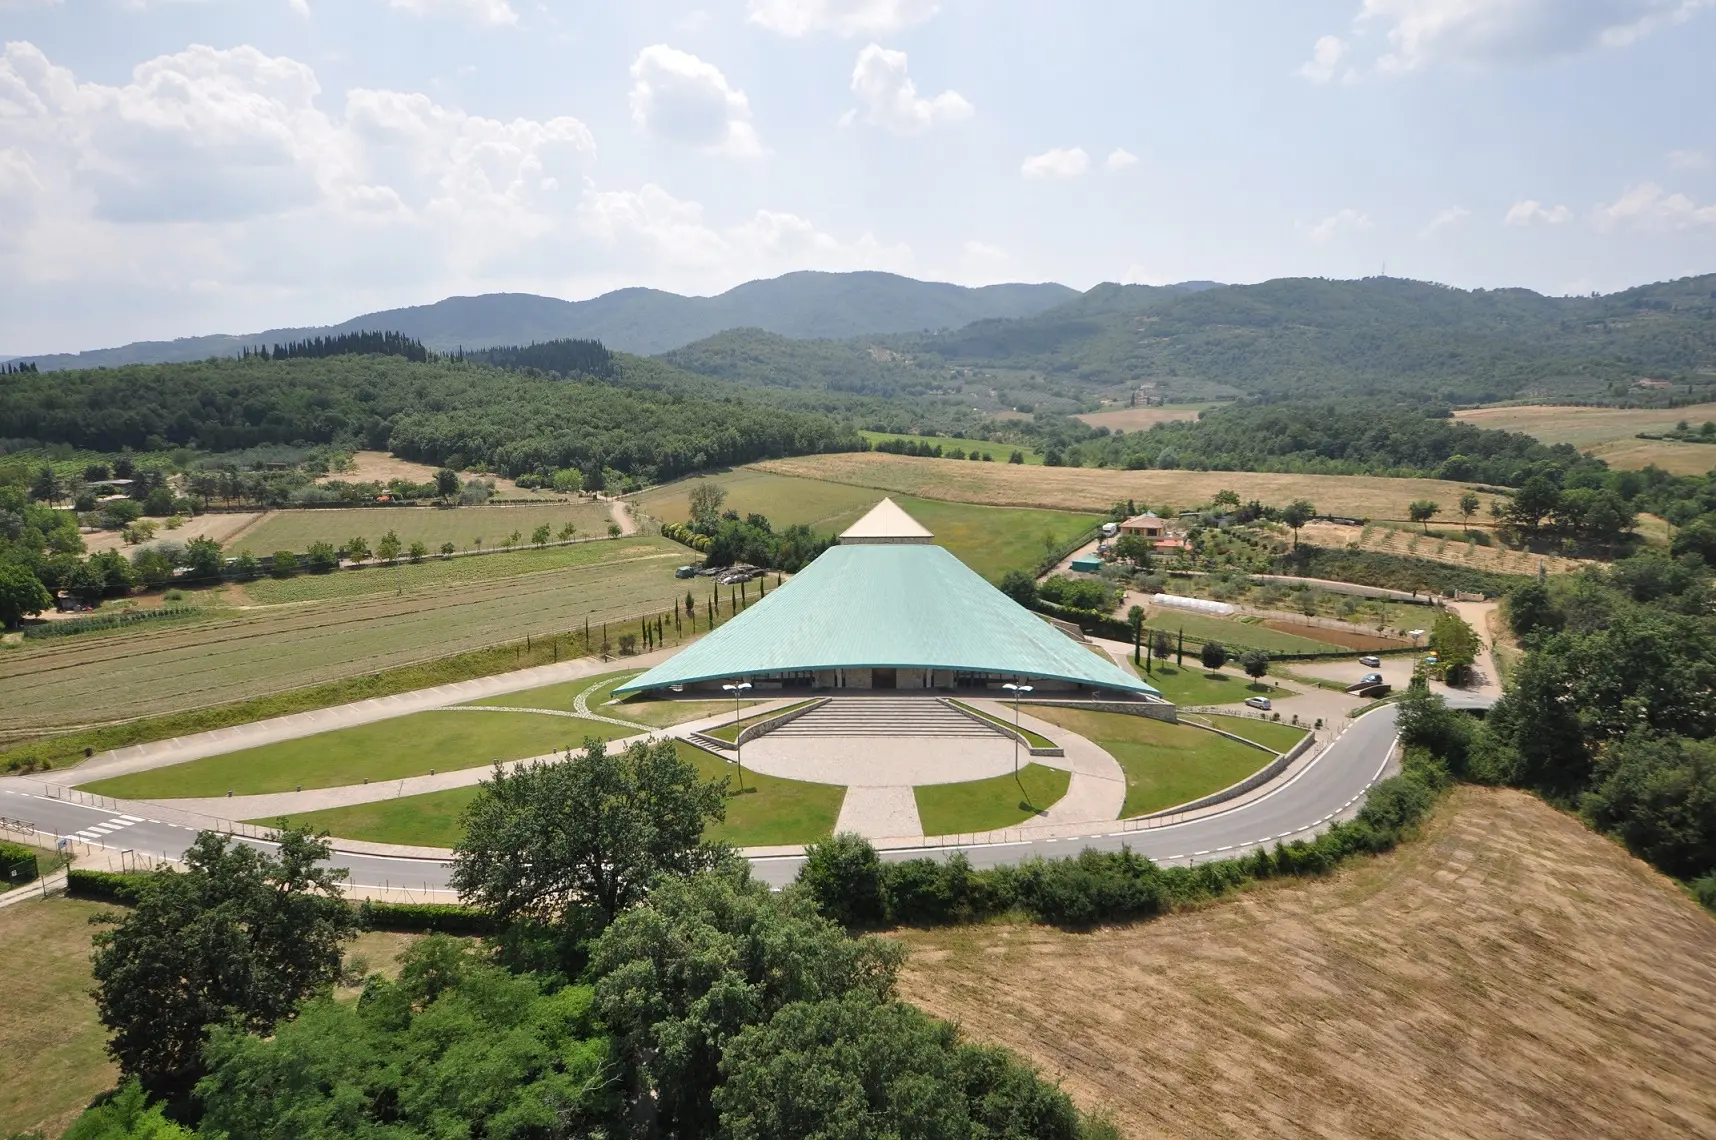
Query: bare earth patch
[1137, 419]
[1086, 488]
[1509, 974]
[222, 527]
[1455, 551]
[380, 467]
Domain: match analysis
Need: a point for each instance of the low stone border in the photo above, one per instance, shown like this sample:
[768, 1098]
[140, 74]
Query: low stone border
[1002, 728]
[751, 731]
[1233, 791]
[1163, 711]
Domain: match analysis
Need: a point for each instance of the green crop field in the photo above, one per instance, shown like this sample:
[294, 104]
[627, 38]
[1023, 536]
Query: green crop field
[770, 811]
[385, 750]
[1165, 764]
[146, 670]
[433, 573]
[991, 540]
[988, 805]
[295, 530]
[1200, 628]
[1000, 451]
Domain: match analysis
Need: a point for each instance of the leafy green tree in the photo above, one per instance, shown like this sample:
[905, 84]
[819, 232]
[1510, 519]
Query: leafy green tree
[1535, 501]
[387, 547]
[1530, 610]
[1213, 655]
[457, 1046]
[1658, 794]
[1421, 511]
[568, 532]
[708, 955]
[139, 532]
[1136, 549]
[844, 875]
[238, 937]
[1255, 662]
[614, 530]
[568, 481]
[1226, 498]
[159, 501]
[128, 1116]
[446, 483]
[418, 551]
[540, 536]
[1016, 457]
[357, 549]
[21, 595]
[1469, 504]
[321, 558]
[1296, 514]
[46, 485]
[248, 566]
[154, 569]
[446, 550]
[576, 842]
[854, 1066]
[1162, 644]
[284, 565]
[512, 539]
[1456, 645]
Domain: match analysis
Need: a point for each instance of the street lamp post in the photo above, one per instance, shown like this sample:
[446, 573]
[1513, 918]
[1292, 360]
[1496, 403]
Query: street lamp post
[1016, 690]
[738, 747]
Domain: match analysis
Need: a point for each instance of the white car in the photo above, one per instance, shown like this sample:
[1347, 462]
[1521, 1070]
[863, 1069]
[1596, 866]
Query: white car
[1259, 703]
[1372, 662]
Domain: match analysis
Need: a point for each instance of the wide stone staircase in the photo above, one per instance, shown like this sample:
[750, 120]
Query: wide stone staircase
[884, 716]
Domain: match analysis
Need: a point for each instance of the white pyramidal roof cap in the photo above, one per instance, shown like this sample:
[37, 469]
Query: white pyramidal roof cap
[886, 522]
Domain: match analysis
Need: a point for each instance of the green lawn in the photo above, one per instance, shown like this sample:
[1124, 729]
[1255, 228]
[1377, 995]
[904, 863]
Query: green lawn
[1192, 685]
[1200, 628]
[771, 811]
[988, 805]
[999, 450]
[386, 750]
[1279, 736]
[1036, 739]
[561, 695]
[1165, 764]
[994, 540]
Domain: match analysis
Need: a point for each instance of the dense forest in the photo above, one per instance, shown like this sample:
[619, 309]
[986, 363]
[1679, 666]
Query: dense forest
[648, 420]
[561, 357]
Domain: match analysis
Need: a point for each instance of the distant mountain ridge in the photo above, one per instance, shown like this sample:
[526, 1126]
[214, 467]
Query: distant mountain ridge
[803, 305]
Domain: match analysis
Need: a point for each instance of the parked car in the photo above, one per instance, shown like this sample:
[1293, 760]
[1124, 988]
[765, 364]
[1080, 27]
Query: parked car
[1371, 679]
[1259, 703]
[685, 572]
[1373, 662]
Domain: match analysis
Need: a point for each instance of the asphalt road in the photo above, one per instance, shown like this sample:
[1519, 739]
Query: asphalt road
[1328, 788]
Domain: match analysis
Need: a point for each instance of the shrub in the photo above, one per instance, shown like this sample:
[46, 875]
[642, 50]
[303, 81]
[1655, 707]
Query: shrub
[928, 892]
[436, 918]
[17, 864]
[321, 558]
[1704, 890]
[844, 877]
[285, 564]
[105, 886]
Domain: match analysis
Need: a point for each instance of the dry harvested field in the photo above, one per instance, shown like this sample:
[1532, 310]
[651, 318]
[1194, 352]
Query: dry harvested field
[1137, 419]
[223, 528]
[1509, 974]
[97, 678]
[1086, 489]
[1456, 551]
[1611, 434]
[380, 467]
[464, 527]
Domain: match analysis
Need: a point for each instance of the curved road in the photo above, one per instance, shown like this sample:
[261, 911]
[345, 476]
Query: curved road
[1326, 789]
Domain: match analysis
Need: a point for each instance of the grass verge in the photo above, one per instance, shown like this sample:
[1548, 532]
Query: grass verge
[1035, 739]
[1192, 685]
[386, 750]
[988, 805]
[1165, 764]
[1279, 737]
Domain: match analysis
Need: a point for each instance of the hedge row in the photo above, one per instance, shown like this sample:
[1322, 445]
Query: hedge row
[854, 886]
[17, 864]
[116, 620]
[104, 886]
[685, 536]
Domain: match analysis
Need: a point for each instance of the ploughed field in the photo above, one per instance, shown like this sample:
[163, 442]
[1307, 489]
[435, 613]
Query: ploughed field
[143, 671]
[1509, 974]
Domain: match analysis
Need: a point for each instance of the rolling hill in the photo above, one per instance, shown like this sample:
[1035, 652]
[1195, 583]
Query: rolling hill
[642, 321]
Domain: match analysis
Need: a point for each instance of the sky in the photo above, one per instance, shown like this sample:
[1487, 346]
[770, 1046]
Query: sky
[178, 167]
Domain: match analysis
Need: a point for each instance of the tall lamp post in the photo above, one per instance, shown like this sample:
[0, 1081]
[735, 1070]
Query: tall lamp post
[1017, 691]
[737, 690]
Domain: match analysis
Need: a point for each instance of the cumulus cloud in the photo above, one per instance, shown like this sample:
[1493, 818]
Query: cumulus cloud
[1119, 159]
[1419, 34]
[1341, 222]
[679, 97]
[1688, 160]
[888, 98]
[1648, 206]
[842, 17]
[1056, 162]
[1443, 219]
[1529, 212]
[498, 12]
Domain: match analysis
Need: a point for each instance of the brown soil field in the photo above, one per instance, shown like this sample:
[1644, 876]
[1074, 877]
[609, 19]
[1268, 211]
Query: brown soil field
[223, 528]
[379, 467]
[1137, 419]
[1455, 551]
[1085, 488]
[1348, 639]
[1509, 973]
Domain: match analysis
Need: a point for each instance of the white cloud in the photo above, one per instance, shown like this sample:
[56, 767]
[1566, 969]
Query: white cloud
[1342, 221]
[679, 97]
[1119, 159]
[1647, 206]
[1688, 160]
[842, 17]
[1429, 33]
[498, 12]
[984, 251]
[888, 98]
[1529, 211]
[1444, 218]
[1325, 58]
[1056, 162]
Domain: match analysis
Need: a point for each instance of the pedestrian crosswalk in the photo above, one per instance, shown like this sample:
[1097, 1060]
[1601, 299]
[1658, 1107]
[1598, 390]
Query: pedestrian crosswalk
[95, 831]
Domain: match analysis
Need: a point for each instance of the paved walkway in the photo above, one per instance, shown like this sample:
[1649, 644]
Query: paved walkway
[877, 811]
[161, 753]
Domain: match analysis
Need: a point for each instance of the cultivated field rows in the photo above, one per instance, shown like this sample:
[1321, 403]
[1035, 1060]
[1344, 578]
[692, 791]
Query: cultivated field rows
[462, 526]
[95, 679]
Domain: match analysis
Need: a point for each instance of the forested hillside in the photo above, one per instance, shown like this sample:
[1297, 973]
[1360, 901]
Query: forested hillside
[649, 420]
